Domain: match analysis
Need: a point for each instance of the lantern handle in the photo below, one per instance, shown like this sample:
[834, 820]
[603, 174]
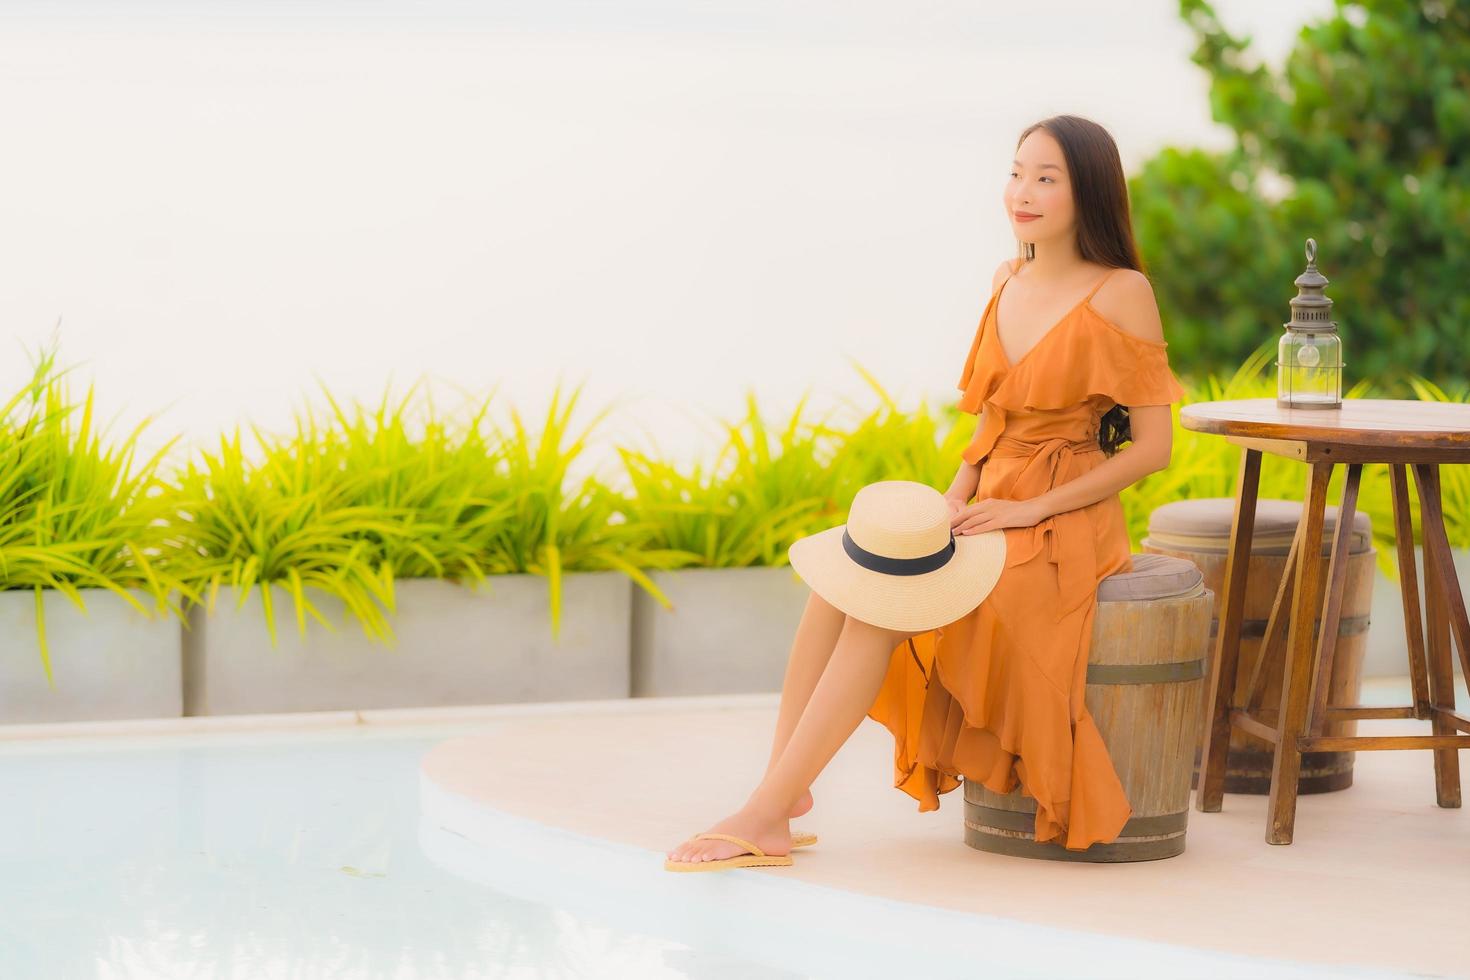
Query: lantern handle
[1311, 251]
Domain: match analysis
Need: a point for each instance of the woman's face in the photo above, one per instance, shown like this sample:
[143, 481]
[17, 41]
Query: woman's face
[1039, 185]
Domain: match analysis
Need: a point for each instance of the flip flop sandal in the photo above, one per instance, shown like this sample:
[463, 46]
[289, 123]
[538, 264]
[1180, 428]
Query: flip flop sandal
[802, 839]
[755, 859]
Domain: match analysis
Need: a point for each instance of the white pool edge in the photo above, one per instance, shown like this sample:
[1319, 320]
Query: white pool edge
[382, 717]
[446, 714]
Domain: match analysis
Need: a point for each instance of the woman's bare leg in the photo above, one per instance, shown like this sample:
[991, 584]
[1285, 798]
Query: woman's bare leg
[816, 636]
[848, 685]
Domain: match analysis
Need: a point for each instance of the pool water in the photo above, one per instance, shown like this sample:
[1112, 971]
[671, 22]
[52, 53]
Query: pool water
[325, 853]
[269, 855]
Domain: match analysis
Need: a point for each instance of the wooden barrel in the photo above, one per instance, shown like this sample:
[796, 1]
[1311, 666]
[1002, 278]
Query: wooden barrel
[1199, 530]
[1145, 670]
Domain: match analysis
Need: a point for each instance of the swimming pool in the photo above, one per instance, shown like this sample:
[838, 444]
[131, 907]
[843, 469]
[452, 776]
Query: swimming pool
[324, 853]
[267, 855]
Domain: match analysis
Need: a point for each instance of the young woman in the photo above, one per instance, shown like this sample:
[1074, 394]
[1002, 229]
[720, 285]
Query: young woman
[1068, 363]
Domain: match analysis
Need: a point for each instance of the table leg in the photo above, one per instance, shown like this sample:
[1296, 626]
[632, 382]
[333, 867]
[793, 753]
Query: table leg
[1449, 579]
[1296, 680]
[1439, 577]
[1403, 537]
[1332, 610]
[1215, 742]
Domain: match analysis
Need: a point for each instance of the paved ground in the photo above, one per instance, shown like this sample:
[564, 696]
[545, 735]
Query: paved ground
[1378, 875]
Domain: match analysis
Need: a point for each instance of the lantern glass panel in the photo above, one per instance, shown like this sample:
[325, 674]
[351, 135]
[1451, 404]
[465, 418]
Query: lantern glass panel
[1309, 369]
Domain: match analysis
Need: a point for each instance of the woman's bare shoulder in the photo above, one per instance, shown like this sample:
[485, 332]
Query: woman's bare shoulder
[1002, 272]
[1127, 301]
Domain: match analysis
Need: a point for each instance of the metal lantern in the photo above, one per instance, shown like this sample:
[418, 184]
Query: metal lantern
[1309, 358]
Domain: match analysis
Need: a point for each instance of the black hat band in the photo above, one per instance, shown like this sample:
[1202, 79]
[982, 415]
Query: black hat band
[897, 566]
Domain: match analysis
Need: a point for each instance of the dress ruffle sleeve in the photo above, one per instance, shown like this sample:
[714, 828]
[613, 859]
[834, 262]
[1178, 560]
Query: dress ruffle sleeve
[1130, 370]
[979, 376]
[982, 375]
[1089, 357]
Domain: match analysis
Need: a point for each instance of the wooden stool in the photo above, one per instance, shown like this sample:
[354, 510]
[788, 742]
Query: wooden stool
[1145, 689]
[1199, 529]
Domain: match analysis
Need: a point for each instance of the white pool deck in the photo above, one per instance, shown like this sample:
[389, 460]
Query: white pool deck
[585, 798]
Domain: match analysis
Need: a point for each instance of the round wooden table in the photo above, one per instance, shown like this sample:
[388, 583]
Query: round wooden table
[1397, 432]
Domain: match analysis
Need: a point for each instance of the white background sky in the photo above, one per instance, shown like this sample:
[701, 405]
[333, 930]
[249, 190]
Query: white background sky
[672, 202]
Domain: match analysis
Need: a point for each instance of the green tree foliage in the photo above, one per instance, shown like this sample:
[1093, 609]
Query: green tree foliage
[1361, 141]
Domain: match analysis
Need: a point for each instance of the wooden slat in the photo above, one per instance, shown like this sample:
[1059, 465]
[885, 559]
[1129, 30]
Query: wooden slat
[1368, 743]
[1381, 454]
[1296, 682]
[1274, 633]
[1454, 718]
[1289, 448]
[1336, 576]
[1437, 637]
[1242, 719]
[1403, 534]
[1347, 712]
[1215, 741]
[1449, 579]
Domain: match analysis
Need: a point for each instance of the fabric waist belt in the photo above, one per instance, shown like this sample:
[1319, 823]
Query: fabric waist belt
[1076, 578]
[1015, 446]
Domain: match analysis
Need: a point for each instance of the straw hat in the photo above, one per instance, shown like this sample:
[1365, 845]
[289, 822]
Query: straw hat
[896, 563]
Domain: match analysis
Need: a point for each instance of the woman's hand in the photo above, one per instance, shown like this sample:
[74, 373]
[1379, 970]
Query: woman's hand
[993, 513]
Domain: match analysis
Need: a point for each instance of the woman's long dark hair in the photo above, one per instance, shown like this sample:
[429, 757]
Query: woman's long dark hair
[1104, 227]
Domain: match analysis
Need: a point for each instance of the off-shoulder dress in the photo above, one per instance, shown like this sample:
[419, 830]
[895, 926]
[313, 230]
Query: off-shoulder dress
[998, 695]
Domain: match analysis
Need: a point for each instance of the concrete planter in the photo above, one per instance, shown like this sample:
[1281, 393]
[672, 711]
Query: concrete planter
[454, 646]
[1386, 645]
[729, 632]
[109, 663]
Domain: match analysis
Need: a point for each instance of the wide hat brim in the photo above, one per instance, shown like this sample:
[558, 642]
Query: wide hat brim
[901, 602]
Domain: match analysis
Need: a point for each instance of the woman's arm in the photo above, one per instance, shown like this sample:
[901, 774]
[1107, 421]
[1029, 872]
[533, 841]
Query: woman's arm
[965, 483]
[1152, 445]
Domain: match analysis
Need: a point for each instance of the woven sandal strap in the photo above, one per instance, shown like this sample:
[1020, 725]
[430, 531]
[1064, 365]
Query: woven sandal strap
[735, 840]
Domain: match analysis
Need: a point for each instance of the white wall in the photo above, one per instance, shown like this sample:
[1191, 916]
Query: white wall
[222, 204]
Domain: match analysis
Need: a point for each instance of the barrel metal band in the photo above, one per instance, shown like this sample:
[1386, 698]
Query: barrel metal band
[1172, 672]
[1025, 820]
[1346, 626]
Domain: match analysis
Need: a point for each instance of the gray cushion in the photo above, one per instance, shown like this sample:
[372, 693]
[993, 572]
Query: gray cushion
[1203, 524]
[1153, 577]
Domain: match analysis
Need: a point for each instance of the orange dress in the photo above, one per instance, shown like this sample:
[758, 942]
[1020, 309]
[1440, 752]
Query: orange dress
[998, 695]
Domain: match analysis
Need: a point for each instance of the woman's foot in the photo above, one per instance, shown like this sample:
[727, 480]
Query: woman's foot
[802, 805]
[771, 836]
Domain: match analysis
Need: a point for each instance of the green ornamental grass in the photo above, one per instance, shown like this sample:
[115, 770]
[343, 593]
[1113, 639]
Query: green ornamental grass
[887, 443]
[75, 512]
[555, 527]
[348, 503]
[357, 497]
[294, 518]
[765, 490]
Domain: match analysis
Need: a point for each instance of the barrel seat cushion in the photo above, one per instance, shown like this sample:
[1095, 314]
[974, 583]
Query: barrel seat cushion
[1153, 577]
[1203, 524]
